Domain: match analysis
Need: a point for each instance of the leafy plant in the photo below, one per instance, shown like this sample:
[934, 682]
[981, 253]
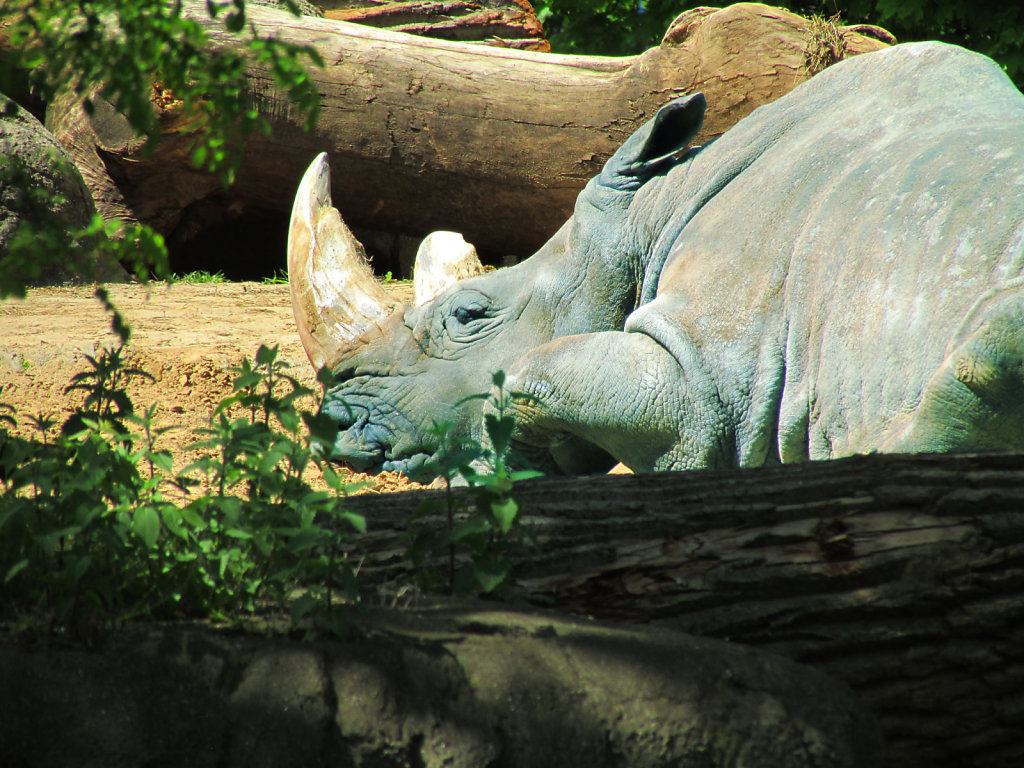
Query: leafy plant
[271, 531]
[76, 513]
[95, 528]
[127, 51]
[482, 531]
[135, 54]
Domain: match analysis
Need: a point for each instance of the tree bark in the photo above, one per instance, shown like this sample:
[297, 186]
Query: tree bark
[901, 575]
[427, 134]
[505, 23]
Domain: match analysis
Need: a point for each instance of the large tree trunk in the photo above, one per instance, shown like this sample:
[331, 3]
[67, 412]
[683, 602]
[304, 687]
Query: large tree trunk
[901, 575]
[427, 134]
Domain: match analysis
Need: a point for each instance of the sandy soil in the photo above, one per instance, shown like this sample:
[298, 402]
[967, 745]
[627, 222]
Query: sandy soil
[187, 336]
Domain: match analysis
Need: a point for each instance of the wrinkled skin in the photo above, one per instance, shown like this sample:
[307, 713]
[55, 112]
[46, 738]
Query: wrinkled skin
[840, 273]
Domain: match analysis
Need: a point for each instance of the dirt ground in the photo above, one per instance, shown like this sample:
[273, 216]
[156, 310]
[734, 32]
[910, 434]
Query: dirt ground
[187, 336]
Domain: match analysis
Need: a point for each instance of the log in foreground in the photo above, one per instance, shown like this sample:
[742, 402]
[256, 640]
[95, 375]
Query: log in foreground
[901, 575]
[427, 134]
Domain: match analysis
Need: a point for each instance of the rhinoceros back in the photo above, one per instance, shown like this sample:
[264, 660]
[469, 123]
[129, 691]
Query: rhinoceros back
[872, 225]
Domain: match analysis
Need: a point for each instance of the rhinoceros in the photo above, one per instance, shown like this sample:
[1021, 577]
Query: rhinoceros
[841, 272]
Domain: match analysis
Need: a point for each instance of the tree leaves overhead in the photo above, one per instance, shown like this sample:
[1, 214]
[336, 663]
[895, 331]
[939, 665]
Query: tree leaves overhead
[131, 50]
[621, 27]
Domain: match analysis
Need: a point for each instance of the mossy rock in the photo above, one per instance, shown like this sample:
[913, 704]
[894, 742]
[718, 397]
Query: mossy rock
[442, 684]
[40, 185]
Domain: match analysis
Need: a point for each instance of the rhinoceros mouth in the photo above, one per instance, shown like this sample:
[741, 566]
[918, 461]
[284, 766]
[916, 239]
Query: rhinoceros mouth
[374, 436]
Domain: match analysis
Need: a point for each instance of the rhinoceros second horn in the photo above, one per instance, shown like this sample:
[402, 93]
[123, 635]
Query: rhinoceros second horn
[443, 258]
[334, 294]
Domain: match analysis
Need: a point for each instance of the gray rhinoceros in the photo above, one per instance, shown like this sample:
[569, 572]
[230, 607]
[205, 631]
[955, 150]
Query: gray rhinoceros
[841, 272]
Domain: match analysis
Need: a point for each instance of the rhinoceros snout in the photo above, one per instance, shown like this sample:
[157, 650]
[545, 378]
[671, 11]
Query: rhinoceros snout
[374, 435]
[352, 450]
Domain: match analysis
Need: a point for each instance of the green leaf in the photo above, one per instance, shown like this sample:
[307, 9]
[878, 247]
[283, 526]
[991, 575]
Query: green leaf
[162, 460]
[80, 568]
[15, 569]
[356, 521]
[146, 525]
[191, 516]
[325, 377]
[499, 430]
[266, 355]
[473, 526]
[302, 606]
[505, 511]
[323, 430]
[490, 572]
[247, 380]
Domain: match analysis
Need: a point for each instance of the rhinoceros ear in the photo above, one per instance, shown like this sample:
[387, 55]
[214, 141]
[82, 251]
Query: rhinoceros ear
[653, 147]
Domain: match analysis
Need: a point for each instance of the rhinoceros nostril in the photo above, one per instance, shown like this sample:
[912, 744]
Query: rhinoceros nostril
[342, 375]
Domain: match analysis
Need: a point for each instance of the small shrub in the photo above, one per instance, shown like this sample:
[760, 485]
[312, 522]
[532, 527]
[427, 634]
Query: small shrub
[95, 529]
[481, 531]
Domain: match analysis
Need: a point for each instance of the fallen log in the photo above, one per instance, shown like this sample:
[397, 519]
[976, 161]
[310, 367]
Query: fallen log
[903, 576]
[428, 134]
[506, 23]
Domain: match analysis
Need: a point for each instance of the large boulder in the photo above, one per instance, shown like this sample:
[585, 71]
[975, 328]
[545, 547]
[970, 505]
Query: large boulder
[441, 685]
[40, 185]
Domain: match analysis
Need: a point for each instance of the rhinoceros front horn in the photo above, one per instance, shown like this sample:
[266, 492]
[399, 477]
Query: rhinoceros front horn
[334, 294]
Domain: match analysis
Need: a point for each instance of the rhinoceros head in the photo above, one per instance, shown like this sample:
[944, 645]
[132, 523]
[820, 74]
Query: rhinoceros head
[398, 370]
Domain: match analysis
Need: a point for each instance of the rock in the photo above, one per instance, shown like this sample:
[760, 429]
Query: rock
[440, 685]
[40, 183]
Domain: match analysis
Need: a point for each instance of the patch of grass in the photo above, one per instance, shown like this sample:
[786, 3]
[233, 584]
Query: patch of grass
[199, 276]
[826, 43]
[280, 277]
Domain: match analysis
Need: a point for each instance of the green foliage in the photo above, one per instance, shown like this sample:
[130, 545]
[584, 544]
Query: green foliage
[96, 528]
[38, 245]
[621, 27]
[280, 277]
[124, 50]
[127, 51]
[483, 530]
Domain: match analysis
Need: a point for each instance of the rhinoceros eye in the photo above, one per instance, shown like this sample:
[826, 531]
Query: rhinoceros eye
[466, 315]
